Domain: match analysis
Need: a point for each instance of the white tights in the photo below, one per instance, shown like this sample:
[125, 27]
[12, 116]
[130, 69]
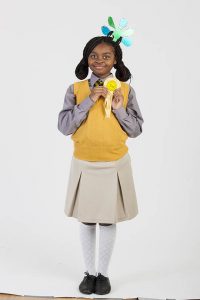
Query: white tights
[107, 236]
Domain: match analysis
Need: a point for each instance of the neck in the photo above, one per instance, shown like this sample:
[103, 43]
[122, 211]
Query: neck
[103, 76]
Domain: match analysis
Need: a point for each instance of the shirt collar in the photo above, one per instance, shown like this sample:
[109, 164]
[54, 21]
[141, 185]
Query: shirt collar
[94, 78]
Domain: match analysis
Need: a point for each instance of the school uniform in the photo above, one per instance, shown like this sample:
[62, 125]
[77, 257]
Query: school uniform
[100, 187]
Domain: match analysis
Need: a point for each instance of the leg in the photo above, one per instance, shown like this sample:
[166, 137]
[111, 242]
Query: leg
[88, 243]
[107, 236]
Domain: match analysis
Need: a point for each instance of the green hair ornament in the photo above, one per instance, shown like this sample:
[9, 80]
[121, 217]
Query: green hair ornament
[120, 33]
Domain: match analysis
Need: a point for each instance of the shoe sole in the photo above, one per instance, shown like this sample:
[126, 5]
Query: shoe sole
[87, 293]
[102, 293]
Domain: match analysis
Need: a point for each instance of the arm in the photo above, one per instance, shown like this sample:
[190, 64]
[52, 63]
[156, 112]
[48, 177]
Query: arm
[72, 115]
[130, 119]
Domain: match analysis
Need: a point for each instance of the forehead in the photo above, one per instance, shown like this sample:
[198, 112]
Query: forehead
[103, 48]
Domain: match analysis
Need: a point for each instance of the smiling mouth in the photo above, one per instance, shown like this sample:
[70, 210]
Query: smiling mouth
[99, 67]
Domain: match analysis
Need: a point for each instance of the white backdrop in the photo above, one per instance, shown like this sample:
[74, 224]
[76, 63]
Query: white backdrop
[156, 254]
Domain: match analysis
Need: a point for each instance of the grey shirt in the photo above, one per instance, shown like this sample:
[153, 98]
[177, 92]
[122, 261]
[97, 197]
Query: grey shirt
[72, 114]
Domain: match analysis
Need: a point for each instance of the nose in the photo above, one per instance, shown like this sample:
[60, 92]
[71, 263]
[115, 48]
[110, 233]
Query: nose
[98, 60]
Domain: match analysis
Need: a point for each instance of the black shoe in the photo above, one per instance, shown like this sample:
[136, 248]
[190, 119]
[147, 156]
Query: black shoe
[87, 285]
[102, 286]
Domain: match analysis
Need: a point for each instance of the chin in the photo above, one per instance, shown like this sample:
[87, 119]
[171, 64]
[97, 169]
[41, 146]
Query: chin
[101, 73]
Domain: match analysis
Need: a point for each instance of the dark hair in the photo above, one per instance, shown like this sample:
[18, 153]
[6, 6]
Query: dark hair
[122, 72]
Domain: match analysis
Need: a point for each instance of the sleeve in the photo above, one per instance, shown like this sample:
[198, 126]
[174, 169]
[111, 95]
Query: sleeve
[72, 115]
[130, 119]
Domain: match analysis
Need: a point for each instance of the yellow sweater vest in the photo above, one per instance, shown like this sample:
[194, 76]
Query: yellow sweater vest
[99, 138]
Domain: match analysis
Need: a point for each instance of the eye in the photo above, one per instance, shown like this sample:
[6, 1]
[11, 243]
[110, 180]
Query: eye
[106, 57]
[93, 56]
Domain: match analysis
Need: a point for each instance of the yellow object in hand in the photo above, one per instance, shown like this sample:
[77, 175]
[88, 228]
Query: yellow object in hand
[111, 84]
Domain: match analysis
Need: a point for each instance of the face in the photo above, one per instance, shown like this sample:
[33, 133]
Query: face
[102, 59]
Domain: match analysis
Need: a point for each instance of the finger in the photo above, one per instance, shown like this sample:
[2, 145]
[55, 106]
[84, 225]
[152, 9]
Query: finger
[97, 89]
[104, 94]
[100, 87]
[119, 94]
[116, 93]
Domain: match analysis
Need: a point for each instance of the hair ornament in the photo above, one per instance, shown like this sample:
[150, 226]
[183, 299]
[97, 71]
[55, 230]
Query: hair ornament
[120, 33]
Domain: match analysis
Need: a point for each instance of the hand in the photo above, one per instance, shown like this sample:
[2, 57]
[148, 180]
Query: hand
[97, 92]
[118, 99]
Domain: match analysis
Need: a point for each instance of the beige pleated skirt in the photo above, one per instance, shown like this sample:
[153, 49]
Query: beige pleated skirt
[101, 192]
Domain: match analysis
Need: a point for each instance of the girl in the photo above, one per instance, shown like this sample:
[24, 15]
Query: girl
[100, 187]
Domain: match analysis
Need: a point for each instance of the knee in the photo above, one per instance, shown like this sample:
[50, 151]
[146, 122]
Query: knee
[102, 224]
[88, 223]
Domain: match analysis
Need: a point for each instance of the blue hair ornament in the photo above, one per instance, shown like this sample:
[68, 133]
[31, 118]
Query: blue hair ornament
[120, 33]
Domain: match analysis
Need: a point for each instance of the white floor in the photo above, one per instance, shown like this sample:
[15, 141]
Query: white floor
[46, 263]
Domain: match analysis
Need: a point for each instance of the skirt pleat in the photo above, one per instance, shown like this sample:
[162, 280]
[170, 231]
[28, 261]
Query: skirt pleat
[101, 192]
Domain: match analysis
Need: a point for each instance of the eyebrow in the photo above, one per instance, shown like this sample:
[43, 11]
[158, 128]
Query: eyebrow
[102, 53]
